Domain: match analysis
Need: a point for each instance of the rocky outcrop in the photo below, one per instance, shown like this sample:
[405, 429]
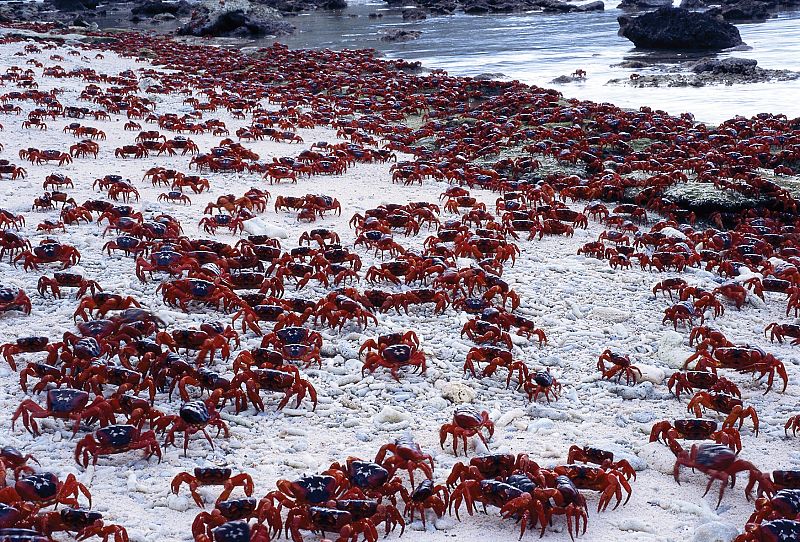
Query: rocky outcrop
[255, 22]
[744, 10]
[398, 34]
[679, 29]
[710, 71]
[151, 8]
[643, 5]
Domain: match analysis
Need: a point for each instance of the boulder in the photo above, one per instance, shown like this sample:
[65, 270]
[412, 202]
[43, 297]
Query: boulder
[151, 8]
[74, 5]
[679, 29]
[745, 10]
[591, 6]
[726, 65]
[413, 14]
[398, 34]
[236, 23]
[693, 4]
[643, 5]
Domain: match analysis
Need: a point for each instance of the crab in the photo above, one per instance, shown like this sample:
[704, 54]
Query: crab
[45, 489]
[102, 302]
[794, 424]
[718, 462]
[285, 379]
[687, 381]
[49, 251]
[621, 365]
[12, 298]
[115, 439]
[406, 454]
[467, 422]
[343, 522]
[784, 504]
[213, 476]
[66, 404]
[25, 345]
[336, 308]
[207, 340]
[495, 357]
[166, 261]
[684, 312]
[13, 459]
[493, 466]
[296, 344]
[210, 224]
[781, 331]
[425, 496]
[195, 417]
[366, 479]
[609, 482]
[393, 357]
[776, 530]
[725, 404]
[84, 523]
[541, 383]
[590, 454]
[180, 292]
[227, 522]
[743, 359]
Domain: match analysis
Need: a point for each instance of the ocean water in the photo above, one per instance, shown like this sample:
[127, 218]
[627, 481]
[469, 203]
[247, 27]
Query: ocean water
[536, 48]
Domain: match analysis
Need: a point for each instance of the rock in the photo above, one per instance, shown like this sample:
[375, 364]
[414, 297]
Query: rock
[414, 14]
[457, 392]
[591, 6]
[554, 6]
[151, 8]
[642, 5]
[74, 5]
[715, 531]
[164, 17]
[235, 22]
[81, 22]
[257, 226]
[726, 65]
[693, 4]
[398, 34]
[745, 10]
[680, 29]
[650, 373]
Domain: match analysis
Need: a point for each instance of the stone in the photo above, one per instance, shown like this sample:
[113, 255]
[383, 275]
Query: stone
[637, 5]
[726, 65]
[398, 34]
[715, 531]
[679, 29]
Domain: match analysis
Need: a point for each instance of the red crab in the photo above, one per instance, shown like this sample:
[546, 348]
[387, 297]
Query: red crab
[25, 345]
[590, 454]
[718, 462]
[66, 404]
[67, 280]
[426, 496]
[13, 459]
[44, 489]
[285, 379]
[467, 422]
[296, 344]
[213, 476]
[195, 417]
[393, 357]
[609, 482]
[621, 365]
[725, 404]
[687, 381]
[770, 531]
[49, 251]
[406, 454]
[115, 439]
[495, 357]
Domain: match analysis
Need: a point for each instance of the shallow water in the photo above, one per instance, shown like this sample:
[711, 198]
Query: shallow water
[535, 48]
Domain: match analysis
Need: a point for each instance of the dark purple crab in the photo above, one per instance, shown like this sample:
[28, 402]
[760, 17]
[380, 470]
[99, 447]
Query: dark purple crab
[66, 404]
[195, 417]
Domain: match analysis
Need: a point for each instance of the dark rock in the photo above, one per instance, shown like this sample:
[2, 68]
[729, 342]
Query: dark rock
[333, 4]
[744, 10]
[726, 65]
[151, 8]
[398, 34]
[591, 6]
[554, 6]
[375, 15]
[679, 29]
[693, 4]
[413, 14]
[641, 5]
[74, 5]
[235, 23]
[81, 22]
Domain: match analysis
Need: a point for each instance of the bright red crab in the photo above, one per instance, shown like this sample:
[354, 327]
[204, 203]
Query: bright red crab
[467, 422]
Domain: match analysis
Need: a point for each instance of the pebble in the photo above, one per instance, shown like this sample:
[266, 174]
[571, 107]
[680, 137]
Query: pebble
[458, 393]
[715, 531]
[178, 503]
[650, 374]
